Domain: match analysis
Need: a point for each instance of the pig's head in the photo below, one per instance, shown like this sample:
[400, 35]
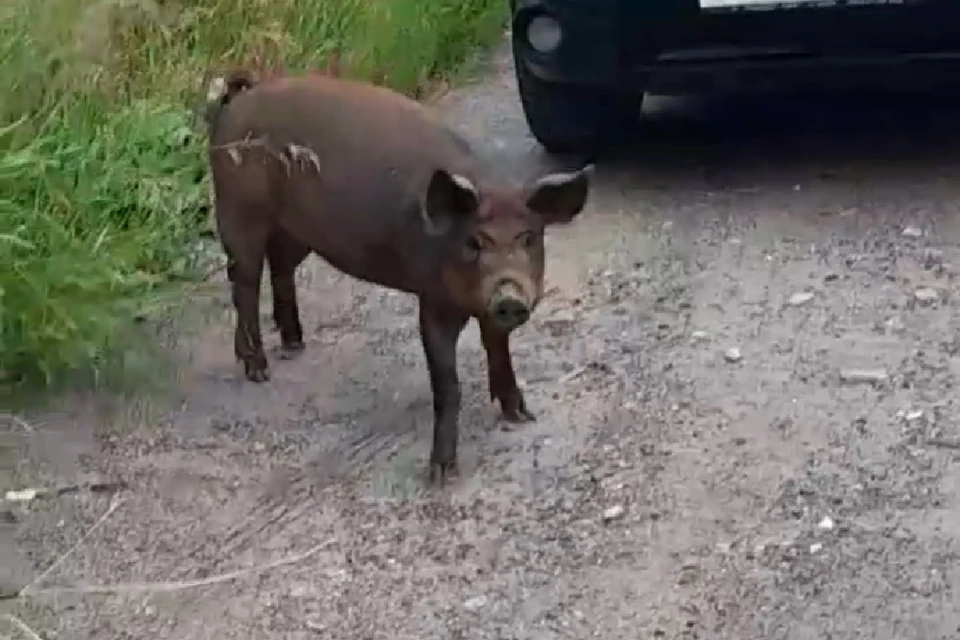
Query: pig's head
[493, 239]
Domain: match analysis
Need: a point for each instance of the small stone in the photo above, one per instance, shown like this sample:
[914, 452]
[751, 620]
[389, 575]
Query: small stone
[926, 295]
[314, 625]
[826, 524]
[21, 496]
[477, 602]
[613, 513]
[800, 298]
[815, 547]
[863, 376]
[698, 336]
[732, 355]
[911, 416]
[912, 232]
[259, 446]
[149, 611]
[932, 258]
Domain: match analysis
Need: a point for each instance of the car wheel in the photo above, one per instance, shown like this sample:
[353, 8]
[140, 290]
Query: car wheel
[572, 118]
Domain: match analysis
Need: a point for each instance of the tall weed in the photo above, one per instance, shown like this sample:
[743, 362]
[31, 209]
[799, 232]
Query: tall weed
[102, 167]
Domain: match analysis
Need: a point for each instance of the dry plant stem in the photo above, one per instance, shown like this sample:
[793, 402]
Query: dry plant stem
[114, 505]
[168, 587]
[25, 426]
[297, 152]
[22, 627]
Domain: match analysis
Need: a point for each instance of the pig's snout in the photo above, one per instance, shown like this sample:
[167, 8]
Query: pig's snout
[510, 306]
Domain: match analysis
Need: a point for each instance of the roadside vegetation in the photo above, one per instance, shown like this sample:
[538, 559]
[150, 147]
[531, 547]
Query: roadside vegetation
[103, 187]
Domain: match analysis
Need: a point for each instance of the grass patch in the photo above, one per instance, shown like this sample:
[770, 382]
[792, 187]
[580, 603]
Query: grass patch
[103, 185]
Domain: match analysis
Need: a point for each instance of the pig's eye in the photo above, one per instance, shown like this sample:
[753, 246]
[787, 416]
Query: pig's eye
[528, 239]
[471, 250]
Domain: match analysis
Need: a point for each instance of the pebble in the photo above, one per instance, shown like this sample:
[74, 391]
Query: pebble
[20, 496]
[826, 524]
[913, 415]
[815, 547]
[926, 295]
[732, 355]
[698, 336]
[800, 298]
[912, 232]
[614, 512]
[863, 376]
[472, 604]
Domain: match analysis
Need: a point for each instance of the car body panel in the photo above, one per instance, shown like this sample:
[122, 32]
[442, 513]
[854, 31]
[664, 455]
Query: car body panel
[674, 46]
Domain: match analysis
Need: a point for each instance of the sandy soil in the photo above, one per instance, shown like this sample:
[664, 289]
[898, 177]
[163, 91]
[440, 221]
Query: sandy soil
[700, 467]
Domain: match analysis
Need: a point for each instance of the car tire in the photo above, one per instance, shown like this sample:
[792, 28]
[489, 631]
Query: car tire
[574, 119]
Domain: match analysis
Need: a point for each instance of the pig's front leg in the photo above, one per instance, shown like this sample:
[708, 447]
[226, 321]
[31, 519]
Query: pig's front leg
[503, 381]
[439, 332]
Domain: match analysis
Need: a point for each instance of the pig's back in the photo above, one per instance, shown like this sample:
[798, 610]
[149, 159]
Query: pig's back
[375, 152]
[357, 130]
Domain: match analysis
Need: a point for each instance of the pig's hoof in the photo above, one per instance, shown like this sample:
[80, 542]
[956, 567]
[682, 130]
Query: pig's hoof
[291, 350]
[257, 374]
[515, 411]
[518, 416]
[441, 472]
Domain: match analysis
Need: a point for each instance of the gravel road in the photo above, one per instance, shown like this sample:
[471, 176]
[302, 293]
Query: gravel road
[743, 376]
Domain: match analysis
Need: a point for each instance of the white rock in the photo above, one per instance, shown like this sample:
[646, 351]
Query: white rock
[863, 376]
[800, 298]
[698, 336]
[815, 547]
[315, 625]
[912, 232]
[826, 524]
[472, 604]
[614, 512]
[732, 355]
[21, 496]
[910, 416]
[926, 295]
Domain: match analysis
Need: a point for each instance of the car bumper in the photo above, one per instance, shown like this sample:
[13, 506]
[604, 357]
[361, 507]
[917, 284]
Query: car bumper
[677, 52]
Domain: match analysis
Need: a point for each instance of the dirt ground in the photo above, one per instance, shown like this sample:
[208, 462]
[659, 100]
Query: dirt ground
[707, 462]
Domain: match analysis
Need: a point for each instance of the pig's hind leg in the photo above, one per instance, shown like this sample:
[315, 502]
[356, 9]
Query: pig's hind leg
[285, 254]
[244, 241]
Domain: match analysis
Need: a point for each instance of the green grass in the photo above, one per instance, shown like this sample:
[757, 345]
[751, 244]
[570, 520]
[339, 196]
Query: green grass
[102, 165]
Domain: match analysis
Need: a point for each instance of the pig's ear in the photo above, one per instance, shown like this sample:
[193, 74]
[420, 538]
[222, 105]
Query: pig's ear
[450, 198]
[559, 197]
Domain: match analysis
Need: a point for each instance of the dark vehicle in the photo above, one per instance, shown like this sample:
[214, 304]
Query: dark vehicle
[583, 66]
